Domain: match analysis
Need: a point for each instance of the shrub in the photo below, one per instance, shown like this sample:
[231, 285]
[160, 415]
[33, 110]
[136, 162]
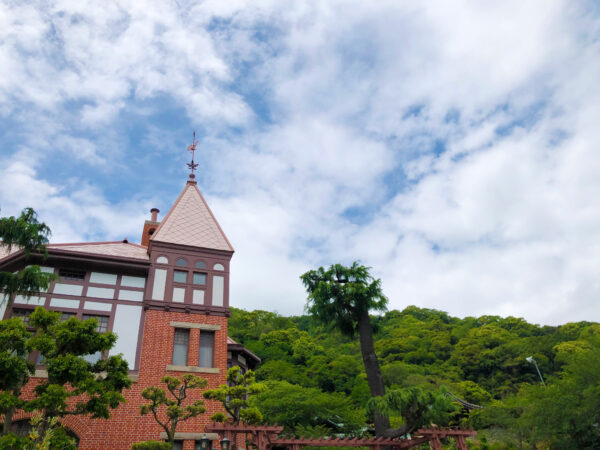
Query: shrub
[151, 445]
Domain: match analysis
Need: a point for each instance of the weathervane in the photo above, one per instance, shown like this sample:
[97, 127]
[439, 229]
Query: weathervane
[192, 148]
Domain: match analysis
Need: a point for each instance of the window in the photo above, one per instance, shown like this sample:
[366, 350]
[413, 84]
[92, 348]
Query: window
[207, 346]
[177, 445]
[23, 314]
[181, 262]
[179, 276]
[102, 322]
[180, 347]
[64, 316]
[93, 358]
[218, 267]
[199, 278]
[71, 274]
[162, 260]
[200, 265]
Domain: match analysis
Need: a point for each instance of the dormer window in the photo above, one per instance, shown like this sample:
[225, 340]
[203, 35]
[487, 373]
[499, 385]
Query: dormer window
[199, 278]
[72, 275]
[218, 267]
[181, 262]
[179, 276]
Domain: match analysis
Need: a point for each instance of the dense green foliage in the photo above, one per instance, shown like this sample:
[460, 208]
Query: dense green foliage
[73, 384]
[317, 380]
[25, 233]
[152, 445]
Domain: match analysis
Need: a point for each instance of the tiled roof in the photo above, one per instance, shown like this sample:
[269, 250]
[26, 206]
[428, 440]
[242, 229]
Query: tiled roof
[191, 222]
[120, 249]
[4, 250]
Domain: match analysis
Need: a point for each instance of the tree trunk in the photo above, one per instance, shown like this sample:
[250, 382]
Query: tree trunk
[374, 377]
[6, 426]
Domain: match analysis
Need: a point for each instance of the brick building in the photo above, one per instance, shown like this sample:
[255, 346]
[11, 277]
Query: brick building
[166, 298]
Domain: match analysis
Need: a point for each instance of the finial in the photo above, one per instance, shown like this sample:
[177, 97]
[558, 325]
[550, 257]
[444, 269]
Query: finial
[192, 148]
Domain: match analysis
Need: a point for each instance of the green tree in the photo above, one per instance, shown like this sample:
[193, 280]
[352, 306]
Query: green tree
[234, 397]
[62, 345]
[418, 407]
[95, 387]
[65, 347]
[29, 235]
[175, 411]
[566, 412]
[343, 296]
[296, 408]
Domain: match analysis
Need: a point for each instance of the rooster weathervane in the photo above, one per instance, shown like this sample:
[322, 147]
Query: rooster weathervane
[192, 148]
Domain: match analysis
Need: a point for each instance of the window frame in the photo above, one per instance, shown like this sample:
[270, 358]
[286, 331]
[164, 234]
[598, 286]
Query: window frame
[182, 331]
[201, 347]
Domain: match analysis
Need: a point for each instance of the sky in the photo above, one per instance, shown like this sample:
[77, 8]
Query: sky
[453, 147]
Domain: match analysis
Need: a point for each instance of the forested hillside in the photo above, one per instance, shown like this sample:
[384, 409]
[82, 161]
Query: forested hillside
[317, 382]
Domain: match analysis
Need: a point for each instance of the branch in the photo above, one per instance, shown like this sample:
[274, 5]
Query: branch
[153, 409]
[400, 431]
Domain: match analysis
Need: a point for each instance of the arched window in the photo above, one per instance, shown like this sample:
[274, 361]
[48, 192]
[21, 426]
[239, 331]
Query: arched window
[218, 267]
[200, 265]
[162, 260]
[181, 262]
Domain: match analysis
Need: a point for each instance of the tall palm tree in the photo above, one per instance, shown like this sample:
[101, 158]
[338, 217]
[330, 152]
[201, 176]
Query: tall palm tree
[342, 297]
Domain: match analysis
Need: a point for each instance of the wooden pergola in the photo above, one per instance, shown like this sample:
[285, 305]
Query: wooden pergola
[265, 437]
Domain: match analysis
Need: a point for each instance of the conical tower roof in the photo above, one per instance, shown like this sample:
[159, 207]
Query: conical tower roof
[191, 222]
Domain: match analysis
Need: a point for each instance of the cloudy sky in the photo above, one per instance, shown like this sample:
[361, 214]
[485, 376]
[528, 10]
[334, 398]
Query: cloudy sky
[451, 146]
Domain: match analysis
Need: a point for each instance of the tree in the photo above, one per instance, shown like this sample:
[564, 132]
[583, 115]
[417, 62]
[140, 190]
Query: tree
[175, 412]
[298, 408]
[234, 397]
[95, 387]
[418, 407]
[65, 346]
[343, 296]
[28, 234]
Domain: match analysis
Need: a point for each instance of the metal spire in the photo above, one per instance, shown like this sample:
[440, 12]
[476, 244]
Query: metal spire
[192, 148]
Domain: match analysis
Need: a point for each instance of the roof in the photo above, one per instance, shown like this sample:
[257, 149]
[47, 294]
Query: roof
[231, 344]
[118, 249]
[191, 222]
[4, 252]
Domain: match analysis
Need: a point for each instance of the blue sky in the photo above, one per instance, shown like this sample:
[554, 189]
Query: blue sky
[452, 146]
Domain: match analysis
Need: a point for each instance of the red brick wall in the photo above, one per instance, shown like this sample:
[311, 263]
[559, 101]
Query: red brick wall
[126, 425]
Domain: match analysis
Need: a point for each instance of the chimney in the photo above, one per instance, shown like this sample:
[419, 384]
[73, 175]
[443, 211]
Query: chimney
[154, 212]
[150, 226]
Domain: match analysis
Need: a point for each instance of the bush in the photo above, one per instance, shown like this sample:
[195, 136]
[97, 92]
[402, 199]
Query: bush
[11, 441]
[151, 445]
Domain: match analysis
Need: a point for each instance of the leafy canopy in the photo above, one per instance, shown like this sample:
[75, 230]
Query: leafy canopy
[340, 295]
[28, 234]
[73, 385]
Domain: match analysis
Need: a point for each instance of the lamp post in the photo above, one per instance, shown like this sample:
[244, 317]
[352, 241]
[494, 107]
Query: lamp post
[530, 359]
[205, 443]
[225, 444]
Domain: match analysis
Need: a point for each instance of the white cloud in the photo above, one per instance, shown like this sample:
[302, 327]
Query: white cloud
[321, 121]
